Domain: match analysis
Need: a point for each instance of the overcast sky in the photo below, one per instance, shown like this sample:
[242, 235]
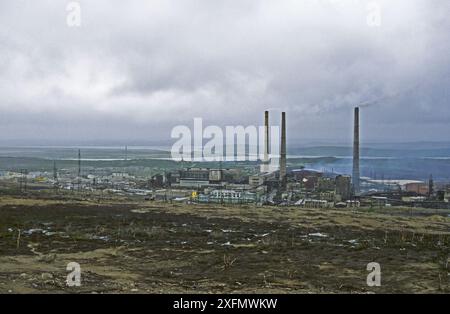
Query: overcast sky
[135, 69]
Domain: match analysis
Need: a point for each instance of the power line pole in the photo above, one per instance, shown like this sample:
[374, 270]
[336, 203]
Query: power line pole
[55, 172]
[26, 174]
[79, 162]
[430, 187]
[55, 177]
[79, 169]
[23, 180]
[20, 180]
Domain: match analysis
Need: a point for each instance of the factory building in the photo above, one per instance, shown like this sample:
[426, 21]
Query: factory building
[325, 184]
[228, 197]
[343, 188]
[309, 179]
[416, 187]
[196, 177]
[256, 180]
[260, 179]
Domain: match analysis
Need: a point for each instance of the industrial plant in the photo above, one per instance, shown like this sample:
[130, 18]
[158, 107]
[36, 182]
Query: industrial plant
[285, 183]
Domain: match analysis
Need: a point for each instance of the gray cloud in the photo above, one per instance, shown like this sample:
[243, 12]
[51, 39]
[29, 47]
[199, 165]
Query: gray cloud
[135, 69]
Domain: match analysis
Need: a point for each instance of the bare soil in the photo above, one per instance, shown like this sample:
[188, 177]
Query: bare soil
[136, 247]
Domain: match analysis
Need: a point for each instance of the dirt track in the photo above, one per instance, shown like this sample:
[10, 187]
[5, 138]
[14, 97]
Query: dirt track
[162, 248]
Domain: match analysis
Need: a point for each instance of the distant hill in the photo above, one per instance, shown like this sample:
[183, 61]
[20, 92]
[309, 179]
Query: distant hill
[346, 151]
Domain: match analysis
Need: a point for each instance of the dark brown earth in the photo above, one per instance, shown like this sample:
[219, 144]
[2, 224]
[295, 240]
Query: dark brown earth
[132, 247]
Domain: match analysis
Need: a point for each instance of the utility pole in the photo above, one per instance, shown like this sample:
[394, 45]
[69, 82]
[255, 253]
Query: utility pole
[430, 187]
[26, 178]
[79, 163]
[221, 180]
[55, 171]
[55, 177]
[23, 180]
[79, 169]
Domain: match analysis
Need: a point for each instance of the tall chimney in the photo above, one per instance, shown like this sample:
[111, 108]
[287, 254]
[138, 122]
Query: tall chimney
[266, 136]
[265, 164]
[356, 173]
[283, 152]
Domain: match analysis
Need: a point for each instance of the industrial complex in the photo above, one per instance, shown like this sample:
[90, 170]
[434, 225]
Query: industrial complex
[259, 183]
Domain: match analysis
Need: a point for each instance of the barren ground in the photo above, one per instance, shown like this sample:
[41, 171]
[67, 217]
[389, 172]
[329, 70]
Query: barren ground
[132, 247]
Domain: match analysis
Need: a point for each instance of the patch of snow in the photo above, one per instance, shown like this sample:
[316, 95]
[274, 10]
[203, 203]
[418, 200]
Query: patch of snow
[318, 235]
[31, 231]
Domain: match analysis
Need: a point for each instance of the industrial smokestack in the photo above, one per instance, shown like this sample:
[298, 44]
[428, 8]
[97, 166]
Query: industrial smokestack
[356, 173]
[266, 136]
[283, 152]
[264, 167]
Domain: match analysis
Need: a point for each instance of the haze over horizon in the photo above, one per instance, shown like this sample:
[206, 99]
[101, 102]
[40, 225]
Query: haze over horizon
[132, 71]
